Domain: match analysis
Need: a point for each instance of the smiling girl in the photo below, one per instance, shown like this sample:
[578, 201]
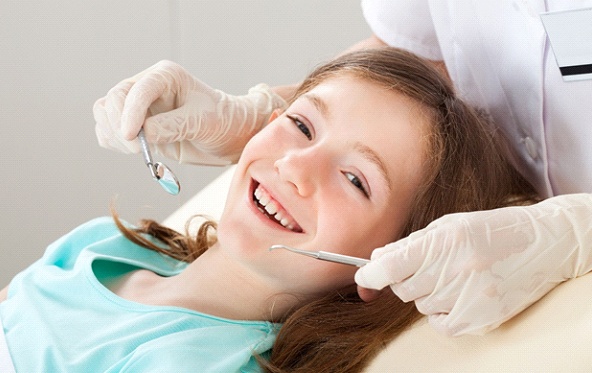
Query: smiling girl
[372, 137]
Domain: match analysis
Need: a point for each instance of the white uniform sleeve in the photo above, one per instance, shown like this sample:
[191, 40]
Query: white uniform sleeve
[405, 24]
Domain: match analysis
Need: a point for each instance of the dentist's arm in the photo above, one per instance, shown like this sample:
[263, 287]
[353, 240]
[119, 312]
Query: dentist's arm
[470, 272]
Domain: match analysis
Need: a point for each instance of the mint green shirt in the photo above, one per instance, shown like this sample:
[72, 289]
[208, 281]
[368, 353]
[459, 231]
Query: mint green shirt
[60, 318]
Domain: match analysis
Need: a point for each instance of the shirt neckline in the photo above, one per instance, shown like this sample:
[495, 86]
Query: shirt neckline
[145, 308]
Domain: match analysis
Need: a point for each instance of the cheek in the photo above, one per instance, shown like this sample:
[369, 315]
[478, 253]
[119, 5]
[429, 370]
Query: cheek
[358, 235]
[271, 134]
[389, 227]
[258, 144]
[251, 151]
[274, 137]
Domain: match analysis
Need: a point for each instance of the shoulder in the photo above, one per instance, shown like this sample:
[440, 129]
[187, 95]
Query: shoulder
[68, 247]
[101, 226]
[91, 231]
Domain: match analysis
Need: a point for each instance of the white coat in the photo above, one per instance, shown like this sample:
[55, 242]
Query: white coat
[500, 59]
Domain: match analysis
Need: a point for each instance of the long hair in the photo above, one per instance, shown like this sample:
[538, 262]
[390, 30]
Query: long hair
[467, 170]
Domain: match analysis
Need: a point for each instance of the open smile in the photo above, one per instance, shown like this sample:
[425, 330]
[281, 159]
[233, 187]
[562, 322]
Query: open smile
[272, 209]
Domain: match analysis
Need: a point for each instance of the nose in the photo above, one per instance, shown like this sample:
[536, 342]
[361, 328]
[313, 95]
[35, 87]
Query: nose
[303, 168]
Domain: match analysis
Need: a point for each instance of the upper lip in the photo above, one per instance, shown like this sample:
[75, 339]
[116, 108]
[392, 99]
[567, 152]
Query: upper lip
[274, 195]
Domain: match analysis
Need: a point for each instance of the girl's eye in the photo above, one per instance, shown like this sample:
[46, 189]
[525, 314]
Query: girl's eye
[301, 126]
[357, 183]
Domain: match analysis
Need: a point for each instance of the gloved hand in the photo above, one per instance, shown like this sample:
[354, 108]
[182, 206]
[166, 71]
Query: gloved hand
[470, 272]
[184, 118]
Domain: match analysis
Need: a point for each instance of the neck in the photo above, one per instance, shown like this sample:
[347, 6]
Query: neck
[218, 285]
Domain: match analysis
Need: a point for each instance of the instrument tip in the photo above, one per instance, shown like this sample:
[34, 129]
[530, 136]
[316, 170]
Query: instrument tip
[275, 247]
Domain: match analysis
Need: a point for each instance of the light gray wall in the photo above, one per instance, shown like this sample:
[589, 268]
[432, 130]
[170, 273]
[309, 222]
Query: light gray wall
[58, 57]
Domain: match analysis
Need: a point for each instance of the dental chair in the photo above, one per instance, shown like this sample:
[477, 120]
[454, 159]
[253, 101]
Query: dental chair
[553, 335]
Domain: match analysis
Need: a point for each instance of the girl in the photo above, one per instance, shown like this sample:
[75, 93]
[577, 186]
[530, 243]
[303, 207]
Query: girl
[372, 136]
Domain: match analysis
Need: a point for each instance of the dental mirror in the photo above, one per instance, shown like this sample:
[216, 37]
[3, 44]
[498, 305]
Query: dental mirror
[159, 171]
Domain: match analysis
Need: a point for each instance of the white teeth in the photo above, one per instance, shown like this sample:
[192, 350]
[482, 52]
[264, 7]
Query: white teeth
[262, 197]
[264, 200]
[271, 208]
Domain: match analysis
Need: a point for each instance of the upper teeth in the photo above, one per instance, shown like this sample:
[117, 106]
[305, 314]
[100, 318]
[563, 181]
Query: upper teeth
[273, 209]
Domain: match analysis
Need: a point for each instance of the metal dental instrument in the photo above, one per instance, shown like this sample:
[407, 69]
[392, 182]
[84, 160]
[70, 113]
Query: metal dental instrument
[324, 255]
[159, 171]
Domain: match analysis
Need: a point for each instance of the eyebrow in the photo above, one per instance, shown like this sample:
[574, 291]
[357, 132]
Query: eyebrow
[373, 157]
[361, 148]
[318, 103]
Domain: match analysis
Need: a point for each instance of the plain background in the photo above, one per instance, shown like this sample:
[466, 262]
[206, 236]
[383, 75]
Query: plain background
[58, 57]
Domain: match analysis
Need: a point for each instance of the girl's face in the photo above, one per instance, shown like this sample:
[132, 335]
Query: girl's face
[336, 172]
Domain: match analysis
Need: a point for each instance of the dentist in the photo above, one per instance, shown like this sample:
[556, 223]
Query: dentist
[468, 272]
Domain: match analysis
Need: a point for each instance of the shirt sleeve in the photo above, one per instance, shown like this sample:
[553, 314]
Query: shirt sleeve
[405, 24]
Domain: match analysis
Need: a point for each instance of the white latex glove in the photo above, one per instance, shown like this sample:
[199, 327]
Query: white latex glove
[470, 272]
[183, 118]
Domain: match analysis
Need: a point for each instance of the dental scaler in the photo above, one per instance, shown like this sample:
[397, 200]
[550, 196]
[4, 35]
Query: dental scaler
[326, 256]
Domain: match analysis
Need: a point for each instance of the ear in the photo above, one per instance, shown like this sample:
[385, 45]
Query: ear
[276, 113]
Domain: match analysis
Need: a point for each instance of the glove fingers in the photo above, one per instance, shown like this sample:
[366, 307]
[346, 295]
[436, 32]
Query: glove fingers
[434, 304]
[107, 138]
[390, 265]
[113, 105]
[373, 276]
[440, 322]
[168, 127]
[416, 287]
[444, 324]
[137, 103]
[107, 112]
[101, 121]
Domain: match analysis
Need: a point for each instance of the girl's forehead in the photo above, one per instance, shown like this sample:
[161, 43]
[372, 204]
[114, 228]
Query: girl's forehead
[358, 86]
[350, 91]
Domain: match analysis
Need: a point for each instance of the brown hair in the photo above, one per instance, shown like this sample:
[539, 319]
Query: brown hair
[467, 170]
